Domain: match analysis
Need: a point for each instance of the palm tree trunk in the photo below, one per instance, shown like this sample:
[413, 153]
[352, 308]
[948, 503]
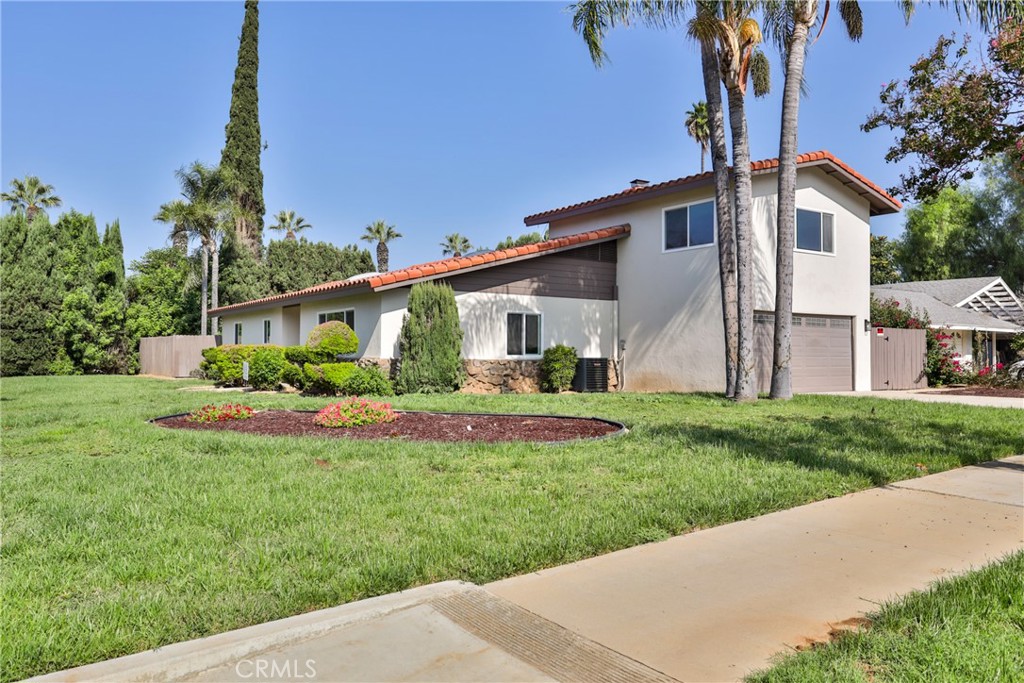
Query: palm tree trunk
[782, 348]
[382, 257]
[723, 209]
[30, 213]
[215, 285]
[746, 375]
[204, 288]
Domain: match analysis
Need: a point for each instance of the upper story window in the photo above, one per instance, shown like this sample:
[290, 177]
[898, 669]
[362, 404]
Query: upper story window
[266, 331]
[523, 334]
[238, 333]
[815, 231]
[688, 226]
[347, 316]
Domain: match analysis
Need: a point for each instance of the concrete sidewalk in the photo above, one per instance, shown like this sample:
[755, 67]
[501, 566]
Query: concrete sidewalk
[937, 396]
[712, 605]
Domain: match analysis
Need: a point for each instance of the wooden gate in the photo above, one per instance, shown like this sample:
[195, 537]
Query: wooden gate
[898, 359]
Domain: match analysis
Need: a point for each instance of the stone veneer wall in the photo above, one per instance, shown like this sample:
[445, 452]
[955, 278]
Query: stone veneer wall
[494, 376]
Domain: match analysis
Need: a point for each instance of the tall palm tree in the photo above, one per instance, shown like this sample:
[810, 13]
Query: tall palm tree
[290, 224]
[30, 195]
[698, 128]
[592, 19]
[204, 213]
[381, 233]
[455, 245]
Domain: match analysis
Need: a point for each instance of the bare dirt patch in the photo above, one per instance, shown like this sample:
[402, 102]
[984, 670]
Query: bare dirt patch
[1003, 392]
[414, 426]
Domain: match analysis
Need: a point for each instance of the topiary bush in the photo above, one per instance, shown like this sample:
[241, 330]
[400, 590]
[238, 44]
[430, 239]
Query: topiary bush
[558, 368]
[265, 368]
[430, 343]
[327, 378]
[223, 364]
[331, 338]
[292, 376]
[370, 381]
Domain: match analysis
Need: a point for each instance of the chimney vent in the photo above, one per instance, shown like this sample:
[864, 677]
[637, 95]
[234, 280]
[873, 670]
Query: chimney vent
[638, 182]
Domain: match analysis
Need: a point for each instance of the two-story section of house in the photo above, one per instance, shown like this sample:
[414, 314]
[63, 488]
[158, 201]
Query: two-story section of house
[669, 318]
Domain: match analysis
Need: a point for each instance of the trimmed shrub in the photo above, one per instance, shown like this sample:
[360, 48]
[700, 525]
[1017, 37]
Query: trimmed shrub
[370, 381]
[327, 378]
[430, 343]
[331, 338]
[354, 412]
[558, 368]
[223, 364]
[265, 368]
[292, 376]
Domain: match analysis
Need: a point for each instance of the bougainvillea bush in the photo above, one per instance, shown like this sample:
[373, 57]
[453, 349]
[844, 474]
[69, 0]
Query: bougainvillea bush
[221, 413]
[355, 412]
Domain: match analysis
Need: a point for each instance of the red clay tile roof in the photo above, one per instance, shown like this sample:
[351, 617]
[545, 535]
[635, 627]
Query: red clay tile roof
[881, 201]
[425, 270]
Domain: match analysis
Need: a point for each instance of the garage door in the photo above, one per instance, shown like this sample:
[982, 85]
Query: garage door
[822, 352]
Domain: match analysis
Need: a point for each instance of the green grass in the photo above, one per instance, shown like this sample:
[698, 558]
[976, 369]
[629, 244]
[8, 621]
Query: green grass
[968, 628]
[121, 536]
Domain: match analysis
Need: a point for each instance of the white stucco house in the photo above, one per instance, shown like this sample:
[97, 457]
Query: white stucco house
[630, 278]
[980, 312]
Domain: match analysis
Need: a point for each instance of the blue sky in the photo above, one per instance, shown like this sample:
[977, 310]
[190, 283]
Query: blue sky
[437, 117]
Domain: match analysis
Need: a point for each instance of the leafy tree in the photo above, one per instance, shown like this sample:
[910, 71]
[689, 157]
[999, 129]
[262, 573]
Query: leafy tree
[455, 245]
[30, 196]
[244, 274]
[381, 233]
[952, 113]
[883, 261]
[936, 235]
[31, 295]
[78, 247]
[521, 241]
[290, 224]
[162, 299]
[430, 342]
[297, 264]
[243, 142]
[696, 123]
[995, 237]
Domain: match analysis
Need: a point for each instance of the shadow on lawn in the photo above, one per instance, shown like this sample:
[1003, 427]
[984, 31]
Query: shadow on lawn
[845, 444]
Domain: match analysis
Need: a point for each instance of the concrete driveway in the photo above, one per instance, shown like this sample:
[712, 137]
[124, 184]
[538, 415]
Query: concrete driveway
[712, 605]
[937, 396]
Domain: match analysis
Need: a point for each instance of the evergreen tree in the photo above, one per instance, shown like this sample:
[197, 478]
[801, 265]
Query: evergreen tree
[118, 355]
[243, 142]
[31, 296]
[430, 342]
[297, 264]
[243, 275]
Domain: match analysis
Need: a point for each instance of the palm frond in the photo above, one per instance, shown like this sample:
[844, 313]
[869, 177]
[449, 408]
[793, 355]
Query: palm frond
[760, 73]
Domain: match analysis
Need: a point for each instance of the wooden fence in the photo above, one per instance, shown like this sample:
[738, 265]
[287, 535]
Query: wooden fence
[898, 359]
[176, 356]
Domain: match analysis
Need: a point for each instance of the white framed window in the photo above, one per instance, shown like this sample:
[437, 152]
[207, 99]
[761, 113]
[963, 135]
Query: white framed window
[266, 331]
[688, 226]
[238, 333]
[815, 231]
[522, 334]
[347, 316]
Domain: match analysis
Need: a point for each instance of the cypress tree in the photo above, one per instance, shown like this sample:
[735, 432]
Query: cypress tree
[243, 140]
[430, 342]
[243, 276]
[31, 298]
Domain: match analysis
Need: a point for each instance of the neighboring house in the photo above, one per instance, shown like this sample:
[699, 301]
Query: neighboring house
[977, 311]
[669, 296]
[631, 278]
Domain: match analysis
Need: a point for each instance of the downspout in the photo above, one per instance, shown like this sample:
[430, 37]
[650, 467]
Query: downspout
[617, 351]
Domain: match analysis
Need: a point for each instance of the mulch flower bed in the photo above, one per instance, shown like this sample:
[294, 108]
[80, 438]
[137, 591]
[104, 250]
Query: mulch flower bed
[413, 426]
[1005, 392]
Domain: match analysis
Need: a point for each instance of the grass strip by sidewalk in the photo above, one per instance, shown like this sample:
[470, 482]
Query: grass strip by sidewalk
[119, 536]
[966, 628]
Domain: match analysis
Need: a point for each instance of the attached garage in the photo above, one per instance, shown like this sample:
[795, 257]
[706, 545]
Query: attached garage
[822, 352]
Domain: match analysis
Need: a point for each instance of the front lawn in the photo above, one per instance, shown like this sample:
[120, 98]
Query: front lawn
[968, 628]
[121, 536]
